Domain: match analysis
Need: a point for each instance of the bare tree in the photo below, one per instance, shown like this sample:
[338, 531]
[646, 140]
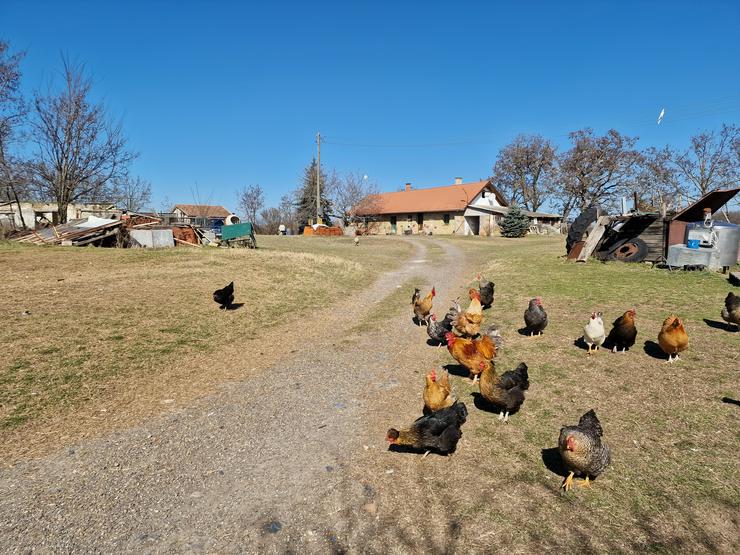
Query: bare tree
[656, 181]
[287, 209]
[13, 110]
[270, 220]
[251, 201]
[524, 171]
[80, 149]
[131, 193]
[353, 192]
[711, 162]
[595, 169]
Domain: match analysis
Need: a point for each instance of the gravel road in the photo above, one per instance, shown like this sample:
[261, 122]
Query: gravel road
[290, 459]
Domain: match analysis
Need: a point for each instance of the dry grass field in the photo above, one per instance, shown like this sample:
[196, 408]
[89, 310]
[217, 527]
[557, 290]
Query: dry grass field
[108, 327]
[674, 485]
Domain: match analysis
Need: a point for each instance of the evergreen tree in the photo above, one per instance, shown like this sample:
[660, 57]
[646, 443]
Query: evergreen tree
[306, 196]
[515, 223]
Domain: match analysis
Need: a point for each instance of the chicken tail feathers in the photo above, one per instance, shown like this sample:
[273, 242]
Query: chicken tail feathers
[449, 438]
[589, 421]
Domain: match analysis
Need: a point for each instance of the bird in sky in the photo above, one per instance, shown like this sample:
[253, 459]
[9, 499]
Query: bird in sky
[660, 117]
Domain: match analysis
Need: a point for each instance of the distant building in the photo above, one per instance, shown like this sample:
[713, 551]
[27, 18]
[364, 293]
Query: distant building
[42, 214]
[200, 215]
[473, 208]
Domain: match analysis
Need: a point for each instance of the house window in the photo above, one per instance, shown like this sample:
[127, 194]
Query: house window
[446, 219]
[409, 218]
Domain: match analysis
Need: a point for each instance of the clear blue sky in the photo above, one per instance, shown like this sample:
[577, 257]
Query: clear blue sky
[226, 94]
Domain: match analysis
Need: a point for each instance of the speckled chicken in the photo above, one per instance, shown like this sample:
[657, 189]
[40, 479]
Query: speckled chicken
[731, 311]
[438, 431]
[673, 338]
[535, 317]
[505, 392]
[582, 450]
[438, 329]
[485, 288]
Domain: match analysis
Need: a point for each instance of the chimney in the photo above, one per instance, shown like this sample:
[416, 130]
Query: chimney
[458, 181]
[408, 187]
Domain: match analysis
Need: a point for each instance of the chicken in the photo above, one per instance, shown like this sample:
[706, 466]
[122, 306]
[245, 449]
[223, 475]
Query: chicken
[506, 392]
[438, 431]
[485, 288]
[673, 337]
[225, 296]
[731, 311]
[437, 392]
[623, 332]
[535, 317]
[492, 331]
[422, 307]
[582, 450]
[473, 354]
[468, 323]
[437, 330]
[593, 332]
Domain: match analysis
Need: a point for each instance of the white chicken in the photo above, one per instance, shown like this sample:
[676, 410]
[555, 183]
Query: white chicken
[593, 332]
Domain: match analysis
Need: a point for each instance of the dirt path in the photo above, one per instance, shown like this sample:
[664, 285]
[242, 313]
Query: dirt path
[292, 458]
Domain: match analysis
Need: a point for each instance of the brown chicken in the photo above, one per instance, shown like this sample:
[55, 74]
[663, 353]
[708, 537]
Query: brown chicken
[623, 333]
[437, 392]
[582, 450]
[422, 307]
[468, 323]
[731, 311]
[505, 392]
[673, 337]
[473, 354]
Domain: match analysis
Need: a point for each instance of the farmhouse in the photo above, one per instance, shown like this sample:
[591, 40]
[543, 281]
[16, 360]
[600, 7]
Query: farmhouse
[201, 215]
[472, 208]
[34, 215]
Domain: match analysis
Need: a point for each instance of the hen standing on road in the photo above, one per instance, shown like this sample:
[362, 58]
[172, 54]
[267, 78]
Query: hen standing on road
[422, 307]
[437, 392]
[439, 431]
[582, 450]
[535, 317]
[225, 296]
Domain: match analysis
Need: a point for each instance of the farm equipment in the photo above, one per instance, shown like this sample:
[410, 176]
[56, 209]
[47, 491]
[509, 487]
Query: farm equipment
[239, 235]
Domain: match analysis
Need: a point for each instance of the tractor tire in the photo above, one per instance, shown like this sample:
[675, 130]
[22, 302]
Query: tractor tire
[631, 250]
[580, 225]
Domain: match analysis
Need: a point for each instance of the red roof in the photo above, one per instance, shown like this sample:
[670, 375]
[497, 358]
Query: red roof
[202, 210]
[450, 198]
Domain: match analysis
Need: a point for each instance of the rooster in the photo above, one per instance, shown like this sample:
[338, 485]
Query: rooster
[623, 332]
[535, 317]
[731, 311]
[225, 296]
[437, 330]
[593, 332]
[437, 392]
[438, 431]
[506, 392]
[473, 354]
[485, 288]
[422, 307]
[582, 450]
[673, 337]
[468, 323]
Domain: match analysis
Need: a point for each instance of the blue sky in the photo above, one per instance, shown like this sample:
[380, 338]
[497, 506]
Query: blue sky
[218, 95]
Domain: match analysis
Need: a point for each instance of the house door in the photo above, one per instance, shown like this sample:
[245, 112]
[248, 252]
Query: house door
[420, 221]
[473, 224]
[394, 221]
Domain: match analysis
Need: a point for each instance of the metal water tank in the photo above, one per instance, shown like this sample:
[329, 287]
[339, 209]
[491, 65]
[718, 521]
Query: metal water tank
[231, 219]
[728, 243]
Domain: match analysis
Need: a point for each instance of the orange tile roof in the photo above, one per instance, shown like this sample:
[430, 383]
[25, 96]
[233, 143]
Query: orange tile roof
[450, 198]
[202, 210]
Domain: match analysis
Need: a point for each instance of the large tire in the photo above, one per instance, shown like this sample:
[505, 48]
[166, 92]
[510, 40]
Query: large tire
[631, 250]
[580, 225]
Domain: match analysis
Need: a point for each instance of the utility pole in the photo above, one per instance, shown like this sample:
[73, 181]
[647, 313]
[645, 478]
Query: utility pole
[318, 179]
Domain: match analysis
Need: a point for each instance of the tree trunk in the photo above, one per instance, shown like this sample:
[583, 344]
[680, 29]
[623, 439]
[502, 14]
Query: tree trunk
[20, 210]
[62, 208]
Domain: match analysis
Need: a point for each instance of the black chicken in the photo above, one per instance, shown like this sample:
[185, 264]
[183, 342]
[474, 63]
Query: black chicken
[535, 317]
[438, 431]
[225, 296]
[485, 288]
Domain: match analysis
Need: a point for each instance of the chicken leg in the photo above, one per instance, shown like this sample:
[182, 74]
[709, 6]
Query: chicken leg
[589, 348]
[568, 483]
[504, 416]
[585, 483]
